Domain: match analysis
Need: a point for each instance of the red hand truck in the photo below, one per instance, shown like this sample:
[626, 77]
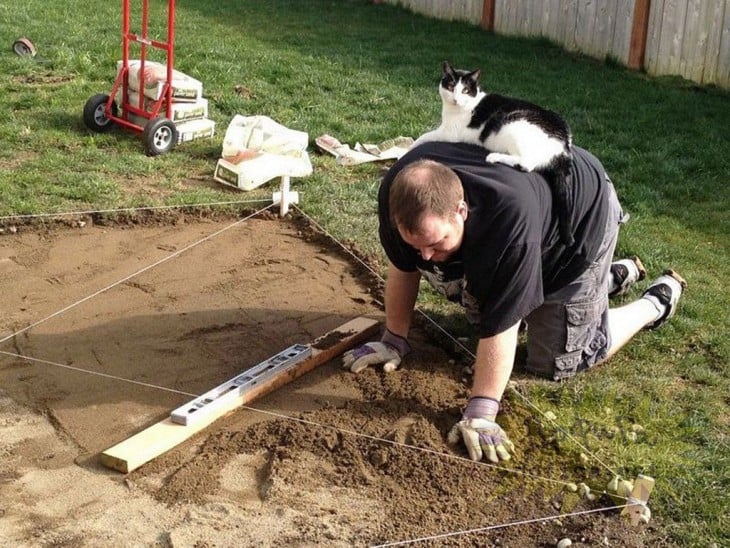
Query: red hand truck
[101, 110]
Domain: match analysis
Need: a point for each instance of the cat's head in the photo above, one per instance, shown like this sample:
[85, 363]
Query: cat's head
[459, 87]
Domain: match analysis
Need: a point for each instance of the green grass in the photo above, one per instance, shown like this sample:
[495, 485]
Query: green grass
[367, 73]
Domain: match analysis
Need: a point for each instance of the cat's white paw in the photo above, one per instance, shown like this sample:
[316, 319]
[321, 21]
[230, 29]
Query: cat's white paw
[506, 159]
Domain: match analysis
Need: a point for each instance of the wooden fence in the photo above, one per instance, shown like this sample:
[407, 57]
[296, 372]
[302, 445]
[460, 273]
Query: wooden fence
[689, 38]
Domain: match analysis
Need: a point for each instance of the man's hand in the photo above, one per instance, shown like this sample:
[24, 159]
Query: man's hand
[480, 432]
[389, 351]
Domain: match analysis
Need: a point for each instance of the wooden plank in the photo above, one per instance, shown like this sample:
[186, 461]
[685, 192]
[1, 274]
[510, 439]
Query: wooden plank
[475, 11]
[694, 41]
[505, 11]
[654, 35]
[549, 19]
[488, 15]
[502, 14]
[639, 30]
[144, 446]
[570, 17]
[511, 18]
[672, 19]
[722, 76]
[605, 21]
[714, 39]
[498, 17]
[585, 21]
[621, 43]
[538, 8]
[679, 16]
[520, 18]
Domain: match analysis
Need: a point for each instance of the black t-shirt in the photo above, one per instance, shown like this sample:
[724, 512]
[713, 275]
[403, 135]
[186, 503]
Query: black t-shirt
[511, 254]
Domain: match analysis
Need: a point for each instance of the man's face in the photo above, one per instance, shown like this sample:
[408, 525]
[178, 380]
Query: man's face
[438, 238]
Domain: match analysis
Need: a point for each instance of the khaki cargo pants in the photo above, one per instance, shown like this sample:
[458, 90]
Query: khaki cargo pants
[569, 332]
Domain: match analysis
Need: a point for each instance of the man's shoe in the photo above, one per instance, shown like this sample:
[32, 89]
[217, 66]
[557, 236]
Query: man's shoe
[664, 293]
[625, 273]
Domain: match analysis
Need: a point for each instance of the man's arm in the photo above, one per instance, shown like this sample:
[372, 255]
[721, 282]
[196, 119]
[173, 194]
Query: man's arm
[478, 428]
[494, 361]
[401, 291]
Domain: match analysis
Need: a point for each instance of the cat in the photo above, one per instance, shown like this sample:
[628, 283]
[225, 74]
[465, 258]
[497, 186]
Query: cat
[517, 133]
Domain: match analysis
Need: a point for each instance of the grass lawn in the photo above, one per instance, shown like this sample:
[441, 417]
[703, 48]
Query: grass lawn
[367, 73]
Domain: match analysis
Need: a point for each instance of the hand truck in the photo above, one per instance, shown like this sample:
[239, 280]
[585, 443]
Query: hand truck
[158, 130]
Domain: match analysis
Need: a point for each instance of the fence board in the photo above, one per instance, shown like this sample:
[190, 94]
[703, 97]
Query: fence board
[519, 18]
[498, 16]
[722, 75]
[622, 30]
[533, 17]
[675, 15]
[570, 10]
[654, 35]
[584, 25]
[714, 37]
[694, 39]
[506, 12]
[550, 19]
[525, 18]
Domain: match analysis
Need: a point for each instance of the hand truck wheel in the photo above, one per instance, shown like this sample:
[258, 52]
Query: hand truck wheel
[95, 115]
[160, 136]
[24, 47]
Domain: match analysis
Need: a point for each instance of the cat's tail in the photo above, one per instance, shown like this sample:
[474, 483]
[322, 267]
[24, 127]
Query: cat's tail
[560, 180]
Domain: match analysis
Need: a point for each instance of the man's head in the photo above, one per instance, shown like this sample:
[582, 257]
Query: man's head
[427, 206]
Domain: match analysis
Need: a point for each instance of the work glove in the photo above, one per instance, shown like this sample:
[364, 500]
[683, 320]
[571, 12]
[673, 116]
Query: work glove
[480, 432]
[389, 351]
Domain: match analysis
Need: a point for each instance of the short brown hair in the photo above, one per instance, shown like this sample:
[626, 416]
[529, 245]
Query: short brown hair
[420, 188]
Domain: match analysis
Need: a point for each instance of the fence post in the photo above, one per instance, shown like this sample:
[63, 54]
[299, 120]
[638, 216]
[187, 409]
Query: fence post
[639, 29]
[488, 15]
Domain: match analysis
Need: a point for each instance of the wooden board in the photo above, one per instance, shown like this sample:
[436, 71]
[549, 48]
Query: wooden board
[141, 448]
[643, 487]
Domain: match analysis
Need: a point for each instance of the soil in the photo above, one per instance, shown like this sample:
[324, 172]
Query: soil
[333, 459]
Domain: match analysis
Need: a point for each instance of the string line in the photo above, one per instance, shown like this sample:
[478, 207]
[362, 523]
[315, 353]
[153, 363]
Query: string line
[127, 209]
[97, 373]
[130, 276]
[499, 526]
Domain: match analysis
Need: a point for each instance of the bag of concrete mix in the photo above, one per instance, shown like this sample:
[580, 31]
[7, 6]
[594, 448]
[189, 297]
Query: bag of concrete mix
[257, 149]
[184, 88]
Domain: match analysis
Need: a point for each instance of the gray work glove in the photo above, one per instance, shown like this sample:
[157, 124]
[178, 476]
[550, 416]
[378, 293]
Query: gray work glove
[480, 432]
[389, 351]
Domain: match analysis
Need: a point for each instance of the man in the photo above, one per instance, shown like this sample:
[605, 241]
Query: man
[485, 235]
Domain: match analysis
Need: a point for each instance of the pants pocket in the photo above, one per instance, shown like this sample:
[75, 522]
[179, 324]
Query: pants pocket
[567, 365]
[583, 321]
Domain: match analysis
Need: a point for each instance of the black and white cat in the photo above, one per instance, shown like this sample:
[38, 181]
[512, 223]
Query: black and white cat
[517, 133]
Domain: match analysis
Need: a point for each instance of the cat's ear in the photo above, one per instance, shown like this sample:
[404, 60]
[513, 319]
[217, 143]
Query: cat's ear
[448, 71]
[475, 74]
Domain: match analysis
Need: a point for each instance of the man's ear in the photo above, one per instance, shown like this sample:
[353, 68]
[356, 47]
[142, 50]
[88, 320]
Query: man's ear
[462, 209]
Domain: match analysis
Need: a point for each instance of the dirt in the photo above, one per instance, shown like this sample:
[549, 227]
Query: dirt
[331, 459]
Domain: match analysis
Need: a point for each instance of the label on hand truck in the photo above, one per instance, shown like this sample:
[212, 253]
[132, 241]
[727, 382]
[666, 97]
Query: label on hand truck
[240, 385]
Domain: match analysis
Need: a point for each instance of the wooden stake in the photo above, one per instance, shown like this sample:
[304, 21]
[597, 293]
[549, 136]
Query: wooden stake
[639, 497]
[165, 435]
